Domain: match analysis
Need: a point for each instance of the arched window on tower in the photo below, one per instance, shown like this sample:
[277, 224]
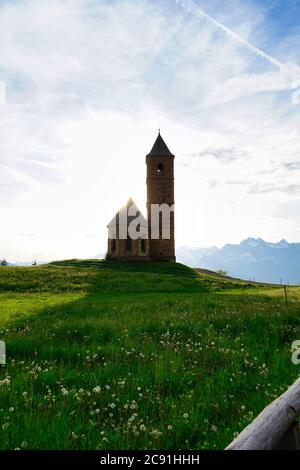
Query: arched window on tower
[160, 168]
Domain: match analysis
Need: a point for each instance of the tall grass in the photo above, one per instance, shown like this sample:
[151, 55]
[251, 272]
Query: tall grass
[105, 355]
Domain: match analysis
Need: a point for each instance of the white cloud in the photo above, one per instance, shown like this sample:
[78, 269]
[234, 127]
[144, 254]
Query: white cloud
[89, 82]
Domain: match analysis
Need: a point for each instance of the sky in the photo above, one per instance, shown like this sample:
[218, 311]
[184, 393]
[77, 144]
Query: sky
[84, 86]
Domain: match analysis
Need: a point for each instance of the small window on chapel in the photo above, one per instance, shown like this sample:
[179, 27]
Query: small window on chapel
[143, 245]
[113, 245]
[128, 244]
[160, 168]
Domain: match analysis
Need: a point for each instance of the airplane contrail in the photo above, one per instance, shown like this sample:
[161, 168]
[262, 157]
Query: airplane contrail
[191, 7]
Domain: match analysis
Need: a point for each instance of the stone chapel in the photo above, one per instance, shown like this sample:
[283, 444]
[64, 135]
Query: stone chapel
[160, 191]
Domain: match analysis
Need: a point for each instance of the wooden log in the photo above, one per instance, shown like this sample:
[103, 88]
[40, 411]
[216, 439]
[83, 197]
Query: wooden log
[291, 439]
[271, 424]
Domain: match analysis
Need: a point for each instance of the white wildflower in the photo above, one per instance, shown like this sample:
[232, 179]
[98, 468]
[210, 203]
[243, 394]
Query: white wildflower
[4, 382]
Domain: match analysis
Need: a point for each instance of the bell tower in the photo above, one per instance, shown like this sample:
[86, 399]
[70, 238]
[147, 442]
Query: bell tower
[160, 191]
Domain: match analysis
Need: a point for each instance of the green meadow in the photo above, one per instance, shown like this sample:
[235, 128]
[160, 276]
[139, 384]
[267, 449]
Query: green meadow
[109, 355]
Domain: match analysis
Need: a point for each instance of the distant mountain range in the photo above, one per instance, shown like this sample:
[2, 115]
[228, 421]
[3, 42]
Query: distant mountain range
[24, 263]
[251, 259]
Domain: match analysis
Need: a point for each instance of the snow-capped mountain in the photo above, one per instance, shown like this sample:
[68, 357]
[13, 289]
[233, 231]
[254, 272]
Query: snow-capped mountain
[251, 259]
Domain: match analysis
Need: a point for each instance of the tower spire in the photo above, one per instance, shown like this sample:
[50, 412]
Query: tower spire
[160, 148]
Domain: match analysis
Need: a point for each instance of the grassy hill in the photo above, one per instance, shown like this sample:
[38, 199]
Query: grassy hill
[108, 355]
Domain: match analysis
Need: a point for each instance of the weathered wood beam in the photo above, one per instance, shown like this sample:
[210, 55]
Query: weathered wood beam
[291, 439]
[271, 424]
